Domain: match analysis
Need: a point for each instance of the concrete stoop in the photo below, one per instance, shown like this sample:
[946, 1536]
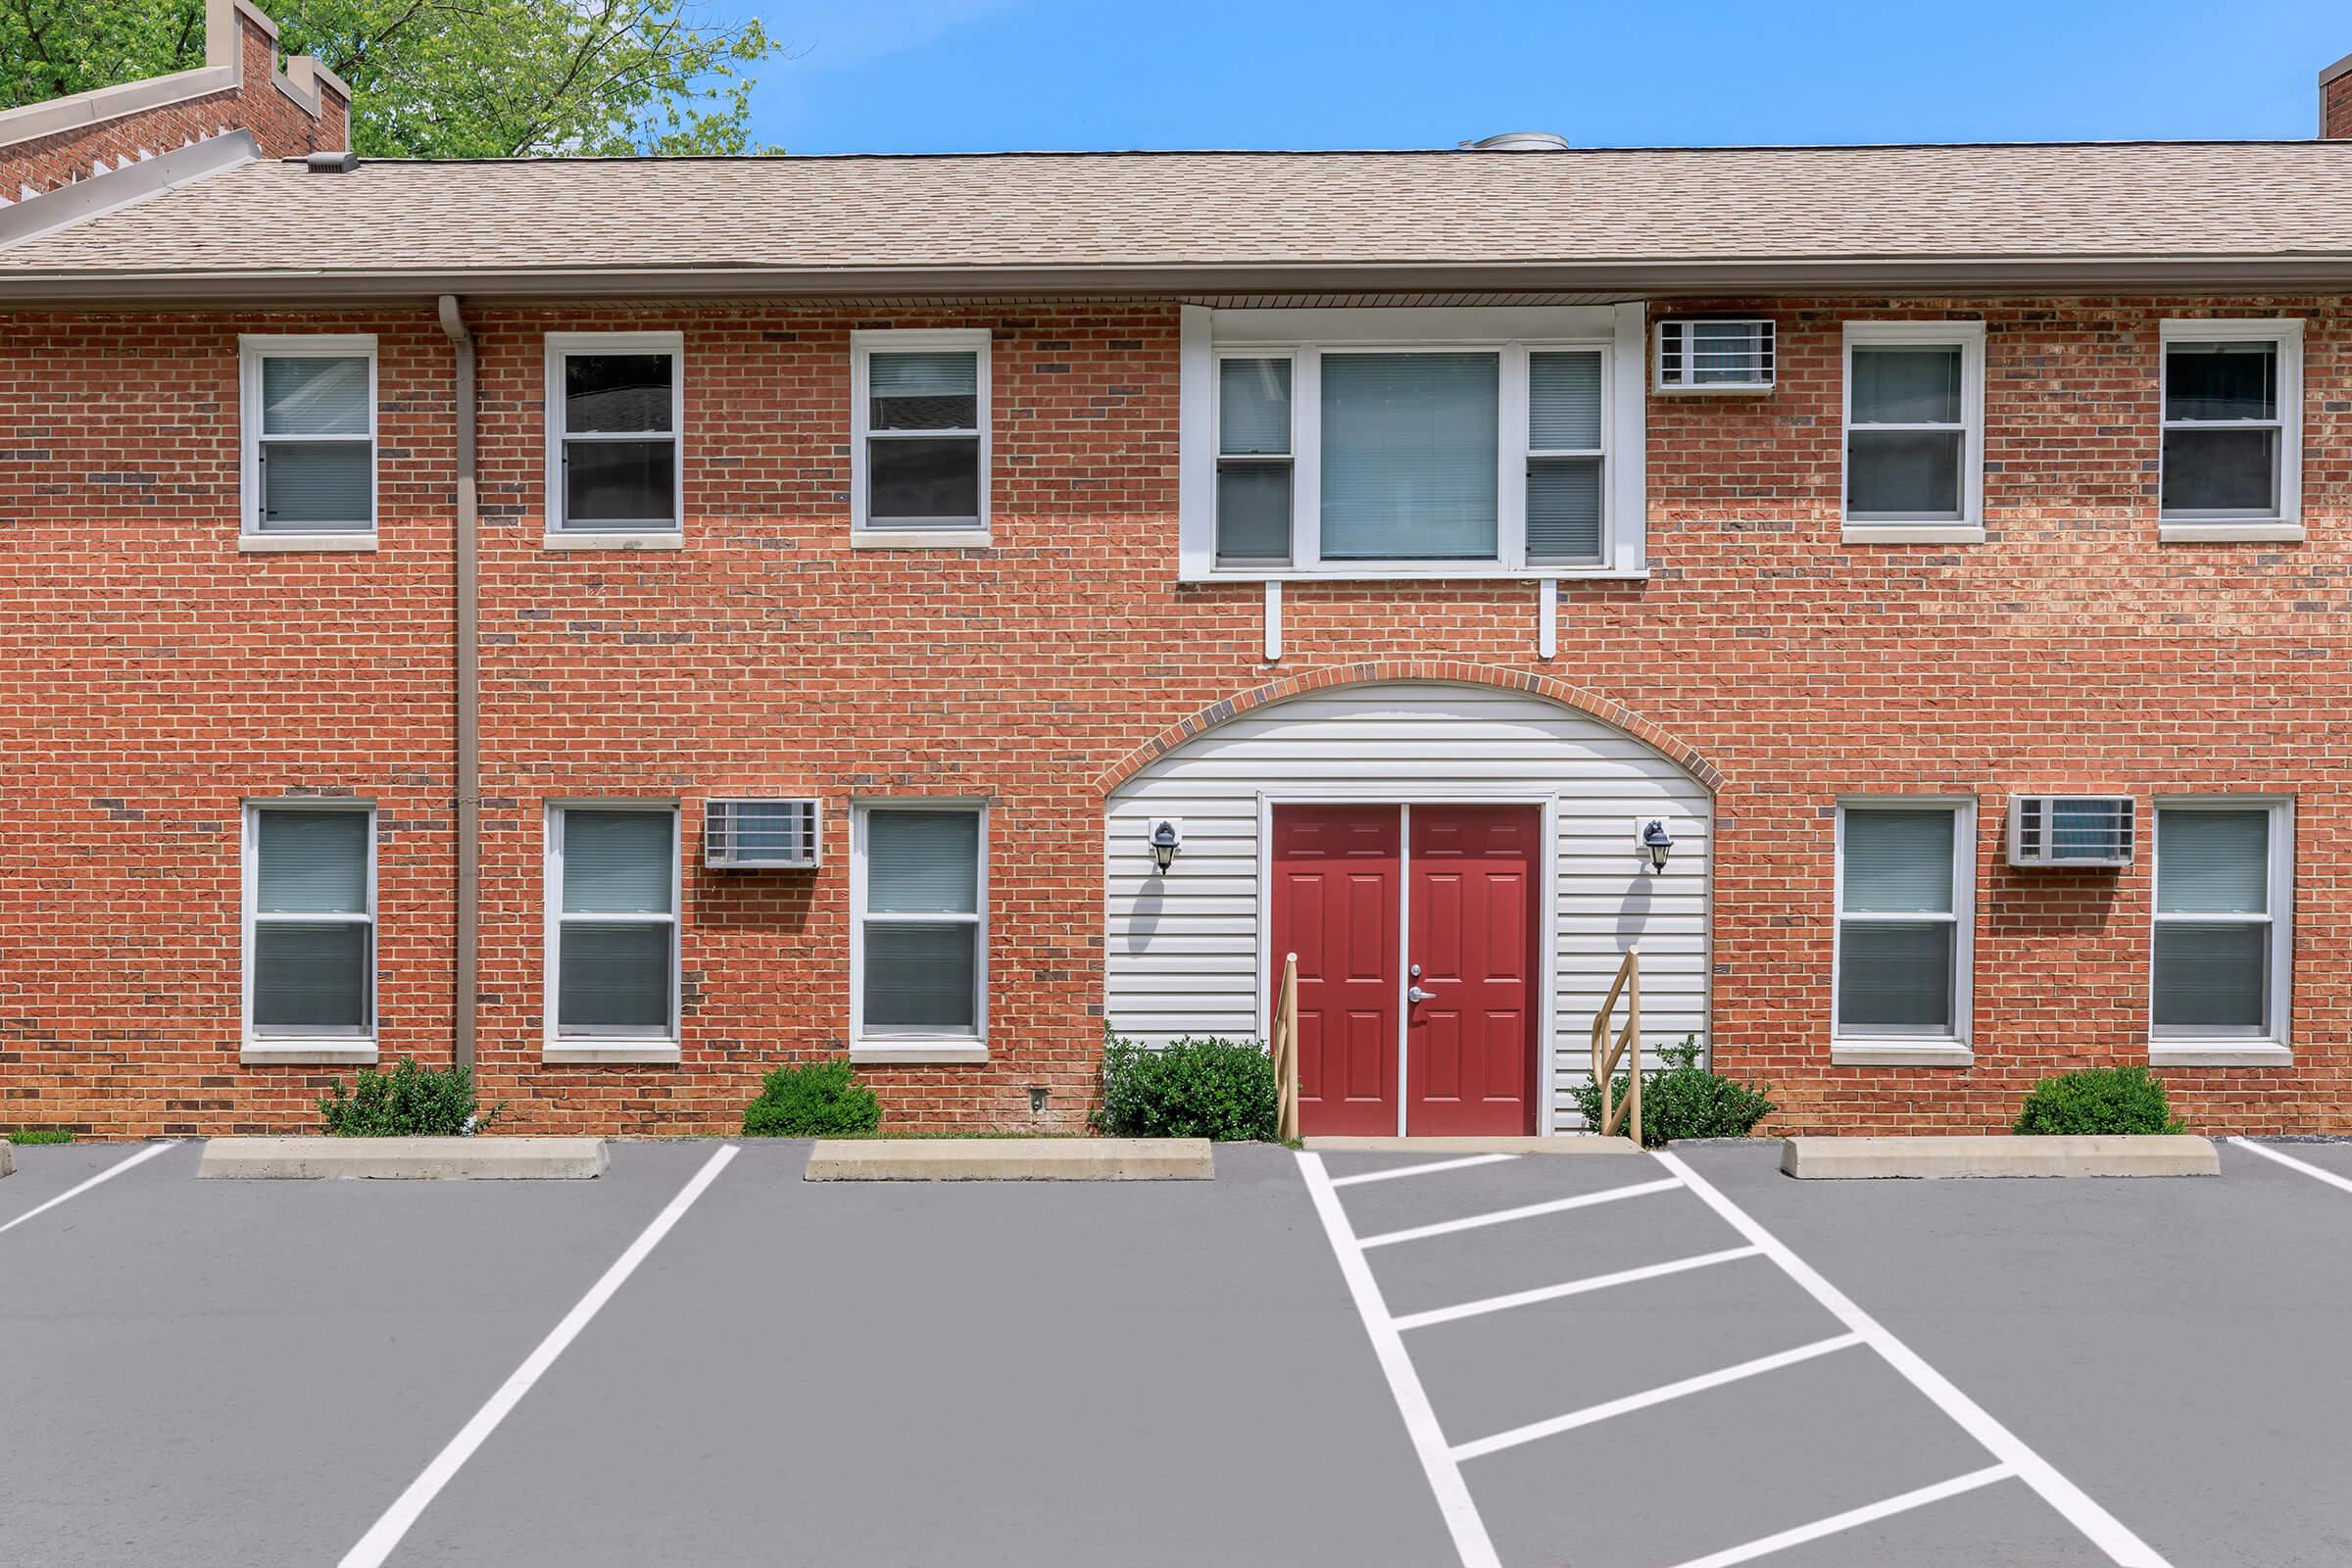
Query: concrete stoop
[488, 1158]
[1010, 1160]
[1564, 1143]
[1864, 1158]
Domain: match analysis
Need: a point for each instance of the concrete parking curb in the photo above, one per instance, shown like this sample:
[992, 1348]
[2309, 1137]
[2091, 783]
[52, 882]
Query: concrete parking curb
[1010, 1160]
[1862, 1158]
[406, 1158]
[8, 1159]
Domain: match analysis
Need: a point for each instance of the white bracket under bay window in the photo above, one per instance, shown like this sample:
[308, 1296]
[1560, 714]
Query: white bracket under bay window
[918, 938]
[2223, 949]
[310, 931]
[1914, 432]
[613, 932]
[1906, 876]
[1421, 442]
[307, 445]
[615, 411]
[2233, 442]
[919, 438]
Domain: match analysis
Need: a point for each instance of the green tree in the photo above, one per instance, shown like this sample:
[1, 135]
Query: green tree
[441, 79]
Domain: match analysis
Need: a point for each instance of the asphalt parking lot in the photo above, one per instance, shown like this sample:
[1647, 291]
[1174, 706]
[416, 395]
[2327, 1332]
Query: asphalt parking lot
[701, 1358]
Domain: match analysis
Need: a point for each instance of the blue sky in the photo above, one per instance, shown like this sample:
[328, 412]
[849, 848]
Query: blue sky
[952, 75]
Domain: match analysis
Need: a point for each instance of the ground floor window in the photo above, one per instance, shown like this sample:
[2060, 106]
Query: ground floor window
[310, 923]
[1905, 874]
[613, 880]
[919, 952]
[2223, 895]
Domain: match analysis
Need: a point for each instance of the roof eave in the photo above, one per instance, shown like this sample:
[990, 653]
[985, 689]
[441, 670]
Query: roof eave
[1633, 278]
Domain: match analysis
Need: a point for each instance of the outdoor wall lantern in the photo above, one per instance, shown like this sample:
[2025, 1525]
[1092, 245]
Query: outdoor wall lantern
[1167, 837]
[1657, 844]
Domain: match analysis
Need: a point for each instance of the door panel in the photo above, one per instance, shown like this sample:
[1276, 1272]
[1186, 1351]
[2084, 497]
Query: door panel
[1336, 902]
[1470, 1048]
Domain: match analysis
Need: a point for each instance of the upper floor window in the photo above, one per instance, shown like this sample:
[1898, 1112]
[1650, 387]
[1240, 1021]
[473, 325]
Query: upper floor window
[615, 406]
[1374, 443]
[1914, 431]
[919, 442]
[309, 929]
[309, 440]
[2233, 427]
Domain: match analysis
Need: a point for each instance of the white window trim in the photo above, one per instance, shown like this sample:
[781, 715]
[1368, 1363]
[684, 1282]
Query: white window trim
[2272, 1049]
[560, 536]
[2287, 524]
[1866, 1050]
[1289, 457]
[338, 1050]
[952, 1047]
[1619, 332]
[1969, 338]
[863, 345]
[558, 1047]
[251, 349]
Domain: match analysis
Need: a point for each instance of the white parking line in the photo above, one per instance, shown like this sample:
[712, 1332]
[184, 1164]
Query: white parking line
[1554, 1292]
[106, 1175]
[1471, 1543]
[2288, 1161]
[1852, 1517]
[375, 1546]
[1464, 1163]
[1503, 1216]
[2102, 1528]
[1643, 1400]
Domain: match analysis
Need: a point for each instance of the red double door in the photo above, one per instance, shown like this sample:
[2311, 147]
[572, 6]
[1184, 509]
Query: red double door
[1417, 964]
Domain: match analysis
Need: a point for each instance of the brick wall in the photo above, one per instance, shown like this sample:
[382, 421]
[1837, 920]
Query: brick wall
[2336, 105]
[162, 677]
[282, 126]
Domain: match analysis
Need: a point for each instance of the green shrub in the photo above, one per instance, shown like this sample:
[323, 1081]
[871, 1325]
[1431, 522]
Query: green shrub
[811, 1099]
[1221, 1089]
[2098, 1099]
[409, 1102]
[41, 1135]
[1683, 1100]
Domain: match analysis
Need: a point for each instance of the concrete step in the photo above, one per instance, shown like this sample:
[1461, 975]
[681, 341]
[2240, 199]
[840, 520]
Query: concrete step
[1563, 1144]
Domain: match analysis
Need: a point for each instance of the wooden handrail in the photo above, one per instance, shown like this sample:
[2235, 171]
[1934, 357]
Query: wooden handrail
[1285, 1047]
[1609, 1049]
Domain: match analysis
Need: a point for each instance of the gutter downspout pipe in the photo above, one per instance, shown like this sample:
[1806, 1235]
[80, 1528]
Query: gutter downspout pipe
[469, 781]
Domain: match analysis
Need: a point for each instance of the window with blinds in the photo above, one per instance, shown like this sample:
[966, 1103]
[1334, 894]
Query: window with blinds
[1409, 456]
[921, 432]
[614, 881]
[309, 925]
[1564, 491]
[1903, 897]
[2217, 932]
[309, 421]
[1254, 459]
[921, 927]
[615, 409]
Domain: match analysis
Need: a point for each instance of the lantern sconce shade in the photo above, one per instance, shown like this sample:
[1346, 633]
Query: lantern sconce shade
[1657, 844]
[1166, 838]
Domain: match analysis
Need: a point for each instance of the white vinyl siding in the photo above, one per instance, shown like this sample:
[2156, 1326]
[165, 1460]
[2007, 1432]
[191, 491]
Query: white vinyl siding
[307, 454]
[1185, 950]
[2222, 929]
[310, 930]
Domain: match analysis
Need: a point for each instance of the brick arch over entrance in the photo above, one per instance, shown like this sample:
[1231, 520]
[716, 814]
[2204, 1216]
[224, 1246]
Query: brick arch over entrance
[1613, 714]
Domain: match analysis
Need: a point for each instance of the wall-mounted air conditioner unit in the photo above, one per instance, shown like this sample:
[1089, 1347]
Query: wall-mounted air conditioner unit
[761, 835]
[2071, 830]
[1714, 356]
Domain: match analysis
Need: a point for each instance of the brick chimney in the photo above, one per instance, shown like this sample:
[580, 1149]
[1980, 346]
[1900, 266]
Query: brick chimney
[2336, 101]
[46, 148]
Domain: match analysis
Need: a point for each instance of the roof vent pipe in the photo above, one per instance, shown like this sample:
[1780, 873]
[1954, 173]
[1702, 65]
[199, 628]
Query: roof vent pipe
[1519, 141]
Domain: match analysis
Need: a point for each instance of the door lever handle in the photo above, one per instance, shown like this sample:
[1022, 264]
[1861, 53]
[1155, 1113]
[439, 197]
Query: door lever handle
[1416, 993]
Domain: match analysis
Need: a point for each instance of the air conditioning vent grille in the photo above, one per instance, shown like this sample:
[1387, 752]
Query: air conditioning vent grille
[2072, 830]
[1715, 356]
[770, 835]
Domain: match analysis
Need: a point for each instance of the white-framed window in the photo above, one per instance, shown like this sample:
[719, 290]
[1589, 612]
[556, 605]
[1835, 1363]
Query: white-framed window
[2222, 948]
[919, 438]
[918, 945]
[309, 929]
[615, 417]
[1434, 442]
[1914, 431]
[2233, 437]
[1906, 874]
[307, 412]
[612, 928]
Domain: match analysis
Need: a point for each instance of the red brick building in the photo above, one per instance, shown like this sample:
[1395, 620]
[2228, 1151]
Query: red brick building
[403, 558]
